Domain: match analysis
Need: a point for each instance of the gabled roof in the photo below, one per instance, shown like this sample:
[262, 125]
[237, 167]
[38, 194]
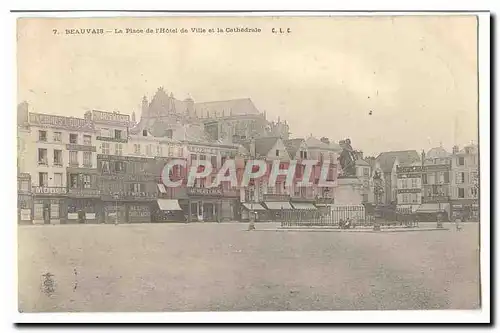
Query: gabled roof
[264, 145]
[362, 162]
[293, 145]
[313, 142]
[335, 146]
[437, 152]
[234, 107]
[387, 159]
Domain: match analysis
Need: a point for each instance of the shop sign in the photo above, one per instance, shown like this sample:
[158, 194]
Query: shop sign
[84, 193]
[110, 117]
[72, 216]
[59, 121]
[132, 196]
[24, 176]
[408, 169]
[437, 167]
[204, 191]
[202, 150]
[90, 216]
[106, 138]
[75, 147]
[25, 214]
[49, 190]
[409, 190]
[124, 158]
[138, 211]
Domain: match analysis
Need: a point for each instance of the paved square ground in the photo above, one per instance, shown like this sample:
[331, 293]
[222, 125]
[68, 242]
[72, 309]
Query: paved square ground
[210, 267]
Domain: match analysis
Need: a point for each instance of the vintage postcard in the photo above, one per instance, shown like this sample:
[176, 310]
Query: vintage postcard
[223, 163]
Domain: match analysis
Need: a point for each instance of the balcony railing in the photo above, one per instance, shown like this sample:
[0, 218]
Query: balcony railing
[324, 201]
[77, 147]
[436, 198]
[132, 196]
[276, 197]
[85, 192]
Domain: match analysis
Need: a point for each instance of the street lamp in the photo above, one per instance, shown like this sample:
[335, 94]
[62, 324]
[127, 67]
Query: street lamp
[116, 196]
[251, 225]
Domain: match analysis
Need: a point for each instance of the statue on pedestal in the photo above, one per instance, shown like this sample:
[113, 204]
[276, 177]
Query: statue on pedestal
[347, 159]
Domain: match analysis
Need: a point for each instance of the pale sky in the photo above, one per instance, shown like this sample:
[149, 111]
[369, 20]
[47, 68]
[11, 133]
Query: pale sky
[418, 75]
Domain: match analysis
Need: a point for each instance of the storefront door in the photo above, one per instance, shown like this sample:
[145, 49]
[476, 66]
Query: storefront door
[46, 213]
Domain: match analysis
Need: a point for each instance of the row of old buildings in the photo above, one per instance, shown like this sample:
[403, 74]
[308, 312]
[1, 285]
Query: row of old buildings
[106, 166]
[432, 182]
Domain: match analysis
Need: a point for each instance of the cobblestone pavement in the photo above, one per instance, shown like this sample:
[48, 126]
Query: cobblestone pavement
[210, 266]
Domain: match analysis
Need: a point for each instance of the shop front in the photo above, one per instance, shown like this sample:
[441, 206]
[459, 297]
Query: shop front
[260, 212]
[432, 212]
[127, 207]
[169, 210]
[24, 208]
[114, 212]
[229, 208]
[465, 210]
[49, 205]
[139, 212]
[278, 205]
[203, 204]
[24, 199]
[304, 209]
[84, 206]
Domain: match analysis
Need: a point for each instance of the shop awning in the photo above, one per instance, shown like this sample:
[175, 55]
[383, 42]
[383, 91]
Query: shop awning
[162, 188]
[278, 205]
[303, 205]
[167, 204]
[254, 206]
[431, 208]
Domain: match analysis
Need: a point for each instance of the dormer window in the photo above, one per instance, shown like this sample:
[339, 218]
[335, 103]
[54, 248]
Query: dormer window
[144, 132]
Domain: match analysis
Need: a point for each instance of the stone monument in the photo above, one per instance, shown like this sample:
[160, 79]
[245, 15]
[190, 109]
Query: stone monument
[349, 186]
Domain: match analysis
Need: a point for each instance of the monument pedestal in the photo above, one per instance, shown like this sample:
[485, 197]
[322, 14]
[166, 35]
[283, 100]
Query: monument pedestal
[349, 191]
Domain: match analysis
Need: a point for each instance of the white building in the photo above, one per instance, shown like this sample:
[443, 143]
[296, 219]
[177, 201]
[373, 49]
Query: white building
[59, 154]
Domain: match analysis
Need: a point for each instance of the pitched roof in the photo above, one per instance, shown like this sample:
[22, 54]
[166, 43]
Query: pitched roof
[293, 145]
[387, 159]
[264, 145]
[437, 152]
[362, 162]
[242, 106]
[313, 142]
[335, 146]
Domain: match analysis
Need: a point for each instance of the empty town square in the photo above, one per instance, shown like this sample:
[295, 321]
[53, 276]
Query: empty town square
[224, 267]
[251, 169]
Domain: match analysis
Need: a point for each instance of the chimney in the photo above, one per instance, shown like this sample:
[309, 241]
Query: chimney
[22, 113]
[88, 117]
[252, 148]
[360, 155]
[455, 149]
[144, 107]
